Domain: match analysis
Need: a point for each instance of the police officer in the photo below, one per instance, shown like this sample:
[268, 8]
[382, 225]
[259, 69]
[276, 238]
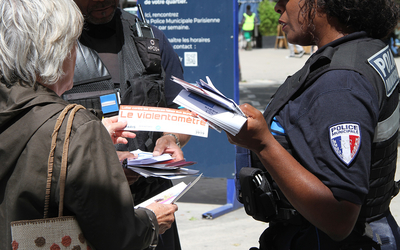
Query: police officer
[328, 138]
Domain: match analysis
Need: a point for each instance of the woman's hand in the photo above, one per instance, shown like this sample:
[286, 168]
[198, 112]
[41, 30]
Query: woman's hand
[115, 129]
[131, 176]
[165, 215]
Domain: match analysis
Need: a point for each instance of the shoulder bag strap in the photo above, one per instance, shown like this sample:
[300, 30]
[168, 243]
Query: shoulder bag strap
[64, 160]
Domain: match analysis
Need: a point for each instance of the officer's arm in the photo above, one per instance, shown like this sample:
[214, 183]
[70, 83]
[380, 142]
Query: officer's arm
[307, 193]
[311, 198]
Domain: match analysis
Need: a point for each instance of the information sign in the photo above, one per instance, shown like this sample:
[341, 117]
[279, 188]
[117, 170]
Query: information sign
[204, 35]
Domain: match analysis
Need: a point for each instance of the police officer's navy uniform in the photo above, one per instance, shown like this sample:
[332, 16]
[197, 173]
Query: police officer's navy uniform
[339, 116]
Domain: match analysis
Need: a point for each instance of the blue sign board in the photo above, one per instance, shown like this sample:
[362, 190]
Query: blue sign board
[204, 35]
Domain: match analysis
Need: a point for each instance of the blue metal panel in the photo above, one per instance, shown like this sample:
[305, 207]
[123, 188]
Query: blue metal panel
[204, 35]
[231, 204]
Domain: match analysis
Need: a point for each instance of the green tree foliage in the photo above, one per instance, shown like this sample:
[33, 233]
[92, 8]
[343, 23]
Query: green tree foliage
[268, 18]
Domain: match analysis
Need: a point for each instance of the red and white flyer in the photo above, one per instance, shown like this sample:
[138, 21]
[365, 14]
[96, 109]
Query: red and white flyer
[142, 118]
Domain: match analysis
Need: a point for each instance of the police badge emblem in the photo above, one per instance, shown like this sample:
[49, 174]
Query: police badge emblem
[345, 141]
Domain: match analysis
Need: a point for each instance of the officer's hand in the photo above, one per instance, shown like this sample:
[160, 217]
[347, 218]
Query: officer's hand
[115, 129]
[165, 215]
[167, 145]
[254, 133]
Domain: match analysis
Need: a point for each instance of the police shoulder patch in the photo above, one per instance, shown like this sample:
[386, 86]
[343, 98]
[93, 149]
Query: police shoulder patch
[345, 140]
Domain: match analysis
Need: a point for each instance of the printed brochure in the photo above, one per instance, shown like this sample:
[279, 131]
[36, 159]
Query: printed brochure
[170, 195]
[220, 112]
[142, 118]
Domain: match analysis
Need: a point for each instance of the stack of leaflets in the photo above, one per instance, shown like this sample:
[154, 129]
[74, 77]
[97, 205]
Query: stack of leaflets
[220, 112]
[162, 166]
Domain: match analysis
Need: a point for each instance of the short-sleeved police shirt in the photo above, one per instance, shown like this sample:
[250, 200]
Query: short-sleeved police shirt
[340, 100]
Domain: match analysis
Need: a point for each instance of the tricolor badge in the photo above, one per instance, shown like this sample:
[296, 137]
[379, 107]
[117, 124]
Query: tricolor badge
[345, 140]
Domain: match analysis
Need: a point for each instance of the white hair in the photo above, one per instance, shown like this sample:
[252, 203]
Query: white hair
[36, 36]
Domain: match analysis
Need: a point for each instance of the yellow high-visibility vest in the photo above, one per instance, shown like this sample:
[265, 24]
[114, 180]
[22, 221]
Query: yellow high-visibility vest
[248, 24]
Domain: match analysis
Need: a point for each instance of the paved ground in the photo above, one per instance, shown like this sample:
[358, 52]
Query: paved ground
[262, 69]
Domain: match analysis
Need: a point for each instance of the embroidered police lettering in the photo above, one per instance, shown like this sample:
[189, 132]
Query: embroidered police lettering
[345, 141]
[384, 64]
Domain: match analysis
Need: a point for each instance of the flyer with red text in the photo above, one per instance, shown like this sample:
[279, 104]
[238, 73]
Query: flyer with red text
[142, 118]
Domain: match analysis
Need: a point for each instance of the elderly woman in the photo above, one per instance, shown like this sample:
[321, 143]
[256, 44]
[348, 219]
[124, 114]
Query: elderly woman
[37, 60]
[328, 138]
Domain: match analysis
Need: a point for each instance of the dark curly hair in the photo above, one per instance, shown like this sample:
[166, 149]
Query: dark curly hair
[376, 17]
